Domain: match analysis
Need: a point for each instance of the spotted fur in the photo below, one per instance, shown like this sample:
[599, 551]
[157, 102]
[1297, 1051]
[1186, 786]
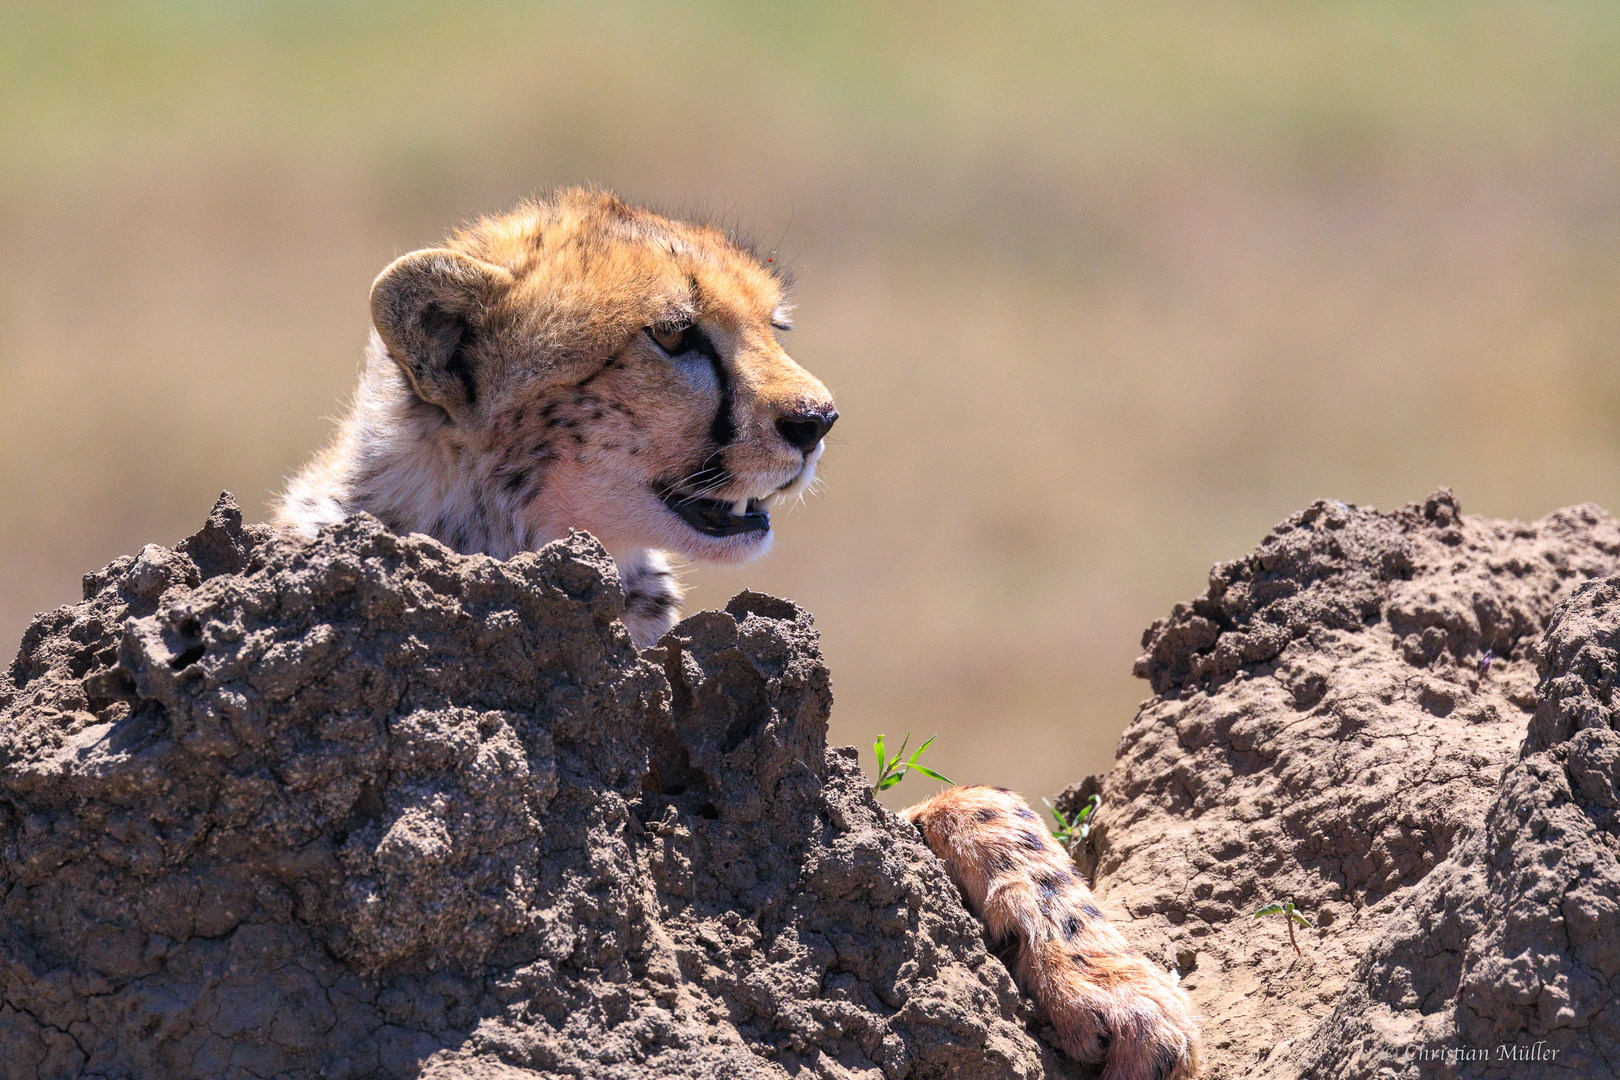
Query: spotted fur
[515, 387]
[1107, 1002]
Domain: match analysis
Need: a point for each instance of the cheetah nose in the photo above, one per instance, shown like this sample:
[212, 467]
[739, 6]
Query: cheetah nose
[803, 430]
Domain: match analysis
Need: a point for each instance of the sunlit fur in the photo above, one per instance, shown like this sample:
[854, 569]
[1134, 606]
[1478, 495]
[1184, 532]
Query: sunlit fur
[576, 416]
[1106, 1001]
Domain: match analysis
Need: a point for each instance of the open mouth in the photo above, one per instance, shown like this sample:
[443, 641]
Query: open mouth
[716, 517]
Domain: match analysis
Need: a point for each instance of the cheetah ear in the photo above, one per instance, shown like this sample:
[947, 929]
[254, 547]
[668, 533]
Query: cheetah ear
[429, 308]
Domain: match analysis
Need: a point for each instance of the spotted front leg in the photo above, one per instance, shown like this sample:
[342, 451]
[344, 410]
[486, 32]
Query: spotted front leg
[1107, 1001]
[652, 596]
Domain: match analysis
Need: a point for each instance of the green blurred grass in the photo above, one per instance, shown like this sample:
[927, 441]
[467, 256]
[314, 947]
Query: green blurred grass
[1104, 289]
[81, 83]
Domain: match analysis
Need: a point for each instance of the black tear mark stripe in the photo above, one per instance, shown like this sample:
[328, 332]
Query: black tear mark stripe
[722, 429]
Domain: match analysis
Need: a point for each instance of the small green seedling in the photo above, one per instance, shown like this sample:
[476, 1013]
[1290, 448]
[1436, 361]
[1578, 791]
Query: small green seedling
[1291, 915]
[892, 769]
[1073, 831]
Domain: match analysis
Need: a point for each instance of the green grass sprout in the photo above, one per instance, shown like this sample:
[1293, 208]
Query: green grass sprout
[891, 769]
[1073, 831]
[1291, 915]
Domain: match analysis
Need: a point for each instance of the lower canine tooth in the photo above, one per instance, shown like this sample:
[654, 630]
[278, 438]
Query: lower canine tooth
[739, 508]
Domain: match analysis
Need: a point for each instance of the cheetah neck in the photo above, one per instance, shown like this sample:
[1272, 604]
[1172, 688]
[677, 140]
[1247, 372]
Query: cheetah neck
[401, 462]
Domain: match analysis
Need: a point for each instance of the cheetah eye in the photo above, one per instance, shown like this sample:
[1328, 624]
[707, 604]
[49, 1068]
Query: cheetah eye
[673, 338]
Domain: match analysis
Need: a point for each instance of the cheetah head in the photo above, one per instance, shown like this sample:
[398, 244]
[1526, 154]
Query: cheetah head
[577, 363]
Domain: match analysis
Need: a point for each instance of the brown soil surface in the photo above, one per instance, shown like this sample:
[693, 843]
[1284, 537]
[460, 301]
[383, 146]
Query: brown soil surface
[368, 808]
[1341, 721]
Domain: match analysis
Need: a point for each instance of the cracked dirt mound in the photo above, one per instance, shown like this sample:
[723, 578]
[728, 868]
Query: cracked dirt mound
[1365, 716]
[1514, 941]
[369, 808]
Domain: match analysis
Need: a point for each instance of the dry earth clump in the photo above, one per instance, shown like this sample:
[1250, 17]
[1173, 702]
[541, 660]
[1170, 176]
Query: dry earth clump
[1341, 720]
[370, 808]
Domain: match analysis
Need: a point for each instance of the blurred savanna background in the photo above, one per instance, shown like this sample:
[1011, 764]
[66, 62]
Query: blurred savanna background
[1104, 289]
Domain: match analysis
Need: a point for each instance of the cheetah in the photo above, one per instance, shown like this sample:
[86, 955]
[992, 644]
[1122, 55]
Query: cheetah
[582, 363]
